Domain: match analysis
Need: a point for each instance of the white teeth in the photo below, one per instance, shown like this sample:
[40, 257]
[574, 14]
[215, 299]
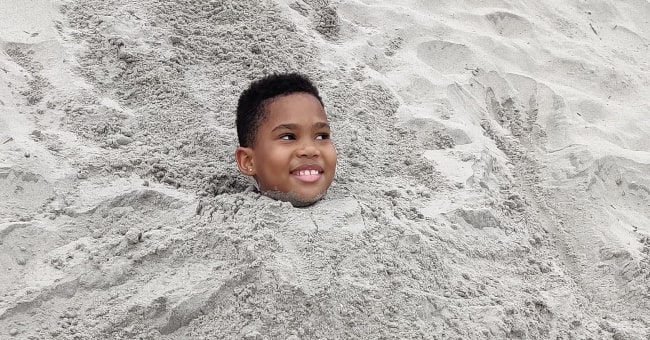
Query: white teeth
[307, 172]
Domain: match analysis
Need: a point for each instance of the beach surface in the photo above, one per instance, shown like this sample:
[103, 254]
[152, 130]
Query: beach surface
[493, 174]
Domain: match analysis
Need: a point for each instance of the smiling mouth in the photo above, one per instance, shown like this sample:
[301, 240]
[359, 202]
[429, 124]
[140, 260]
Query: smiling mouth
[307, 176]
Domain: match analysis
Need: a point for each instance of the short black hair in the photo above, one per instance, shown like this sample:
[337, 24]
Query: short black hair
[251, 108]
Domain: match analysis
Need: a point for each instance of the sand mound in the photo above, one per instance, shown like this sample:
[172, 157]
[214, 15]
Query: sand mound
[493, 177]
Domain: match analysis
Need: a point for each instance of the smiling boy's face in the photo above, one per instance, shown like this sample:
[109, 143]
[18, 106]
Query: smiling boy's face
[293, 158]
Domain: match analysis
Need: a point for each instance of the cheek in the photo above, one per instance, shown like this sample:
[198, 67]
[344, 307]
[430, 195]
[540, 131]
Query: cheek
[280, 154]
[332, 156]
[333, 151]
[277, 160]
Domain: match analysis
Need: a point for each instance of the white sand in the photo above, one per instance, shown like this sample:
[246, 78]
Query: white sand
[493, 180]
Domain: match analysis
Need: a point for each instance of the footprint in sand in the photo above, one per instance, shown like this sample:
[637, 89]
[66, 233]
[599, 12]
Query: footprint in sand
[433, 135]
[509, 24]
[445, 56]
[22, 191]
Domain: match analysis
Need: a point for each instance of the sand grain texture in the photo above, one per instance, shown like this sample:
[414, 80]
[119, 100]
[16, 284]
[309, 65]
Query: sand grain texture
[493, 179]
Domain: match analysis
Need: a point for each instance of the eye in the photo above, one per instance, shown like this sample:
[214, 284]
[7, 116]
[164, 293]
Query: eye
[288, 136]
[323, 136]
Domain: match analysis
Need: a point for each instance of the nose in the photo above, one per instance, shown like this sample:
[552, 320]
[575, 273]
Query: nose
[308, 149]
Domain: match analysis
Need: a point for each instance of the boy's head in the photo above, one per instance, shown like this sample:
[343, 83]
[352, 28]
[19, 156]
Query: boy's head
[284, 139]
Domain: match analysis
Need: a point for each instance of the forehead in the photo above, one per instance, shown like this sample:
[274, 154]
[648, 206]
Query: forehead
[295, 108]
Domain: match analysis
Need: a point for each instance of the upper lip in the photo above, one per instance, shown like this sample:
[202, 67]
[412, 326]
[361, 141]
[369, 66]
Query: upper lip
[308, 167]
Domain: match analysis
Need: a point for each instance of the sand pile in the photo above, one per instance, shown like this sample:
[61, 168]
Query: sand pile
[493, 179]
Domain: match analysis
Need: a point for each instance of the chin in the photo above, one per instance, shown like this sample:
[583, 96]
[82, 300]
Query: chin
[295, 199]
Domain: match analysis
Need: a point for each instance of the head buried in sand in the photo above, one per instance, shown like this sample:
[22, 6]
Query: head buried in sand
[284, 139]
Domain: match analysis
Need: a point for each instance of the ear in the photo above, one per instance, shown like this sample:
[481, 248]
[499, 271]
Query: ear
[244, 158]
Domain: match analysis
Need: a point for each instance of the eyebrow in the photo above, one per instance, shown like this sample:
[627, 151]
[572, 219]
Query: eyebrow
[319, 125]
